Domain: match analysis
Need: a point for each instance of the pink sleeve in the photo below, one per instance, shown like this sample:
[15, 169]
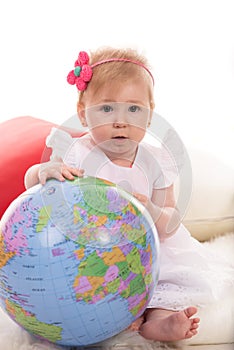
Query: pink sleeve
[168, 170]
[171, 159]
[62, 145]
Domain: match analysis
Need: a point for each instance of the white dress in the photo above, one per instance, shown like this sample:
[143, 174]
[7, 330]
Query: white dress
[190, 273]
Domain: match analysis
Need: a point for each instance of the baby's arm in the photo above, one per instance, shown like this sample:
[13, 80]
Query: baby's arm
[55, 169]
[31, 176]
[162, 208]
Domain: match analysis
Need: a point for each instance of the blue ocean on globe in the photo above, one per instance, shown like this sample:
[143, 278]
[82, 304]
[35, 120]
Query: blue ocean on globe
[79, 260]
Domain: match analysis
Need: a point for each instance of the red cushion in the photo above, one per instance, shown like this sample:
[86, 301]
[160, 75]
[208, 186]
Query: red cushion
[22, 145]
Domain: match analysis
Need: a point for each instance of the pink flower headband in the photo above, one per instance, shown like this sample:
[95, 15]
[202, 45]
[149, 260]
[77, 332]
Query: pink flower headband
[82, 73]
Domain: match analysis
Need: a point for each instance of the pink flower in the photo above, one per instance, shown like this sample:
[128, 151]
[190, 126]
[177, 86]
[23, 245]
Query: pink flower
[80, 84]
[83, 58]
[86, 73]
[71, 78]
[82, 73]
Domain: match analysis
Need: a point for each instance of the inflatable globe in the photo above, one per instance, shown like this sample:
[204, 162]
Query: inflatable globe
[78, 260]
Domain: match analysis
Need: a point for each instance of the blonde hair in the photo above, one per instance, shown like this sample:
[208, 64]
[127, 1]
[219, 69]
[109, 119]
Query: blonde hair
[117, 71]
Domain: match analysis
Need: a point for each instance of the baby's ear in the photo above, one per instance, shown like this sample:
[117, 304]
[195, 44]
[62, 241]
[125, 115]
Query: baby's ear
[81, 114]
[152, 106]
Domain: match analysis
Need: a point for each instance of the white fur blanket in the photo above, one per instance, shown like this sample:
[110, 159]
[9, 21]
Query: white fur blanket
[217, 324]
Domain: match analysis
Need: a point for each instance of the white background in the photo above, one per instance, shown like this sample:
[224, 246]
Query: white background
[190, 45]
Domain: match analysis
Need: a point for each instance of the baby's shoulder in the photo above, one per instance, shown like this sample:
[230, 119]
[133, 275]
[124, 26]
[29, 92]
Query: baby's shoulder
[158, 157]
[151, 152]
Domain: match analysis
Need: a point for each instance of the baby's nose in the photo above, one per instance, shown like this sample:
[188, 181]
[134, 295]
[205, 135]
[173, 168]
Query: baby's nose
[120, 124]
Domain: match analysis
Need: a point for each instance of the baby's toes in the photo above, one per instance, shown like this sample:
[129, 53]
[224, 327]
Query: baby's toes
[194, 326]
[190, 333]
[195, 322]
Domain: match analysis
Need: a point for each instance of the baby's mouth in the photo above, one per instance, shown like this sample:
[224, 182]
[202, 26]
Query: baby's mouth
[119, 137]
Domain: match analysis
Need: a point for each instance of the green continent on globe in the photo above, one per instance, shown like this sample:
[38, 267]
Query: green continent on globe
[30, 322]
[44, 216]
[134, 261]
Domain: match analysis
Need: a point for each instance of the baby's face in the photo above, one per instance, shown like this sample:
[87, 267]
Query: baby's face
[118, 117]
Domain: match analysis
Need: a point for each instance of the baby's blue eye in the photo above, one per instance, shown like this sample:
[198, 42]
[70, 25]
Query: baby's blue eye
[134, 108]
[106, 108]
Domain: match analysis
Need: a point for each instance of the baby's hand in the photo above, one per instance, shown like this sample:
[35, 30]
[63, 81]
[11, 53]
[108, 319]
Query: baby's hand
[146, 201]
[57, 170]
[142, 198]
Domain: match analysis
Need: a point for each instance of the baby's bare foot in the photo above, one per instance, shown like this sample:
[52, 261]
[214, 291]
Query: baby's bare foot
[163, 325]
[182, 325]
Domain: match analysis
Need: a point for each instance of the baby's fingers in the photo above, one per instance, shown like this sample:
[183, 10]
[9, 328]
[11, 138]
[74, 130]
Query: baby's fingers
[141, 197]
[54, 174]
[80, 172]
[42, 179]
[69, 173]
